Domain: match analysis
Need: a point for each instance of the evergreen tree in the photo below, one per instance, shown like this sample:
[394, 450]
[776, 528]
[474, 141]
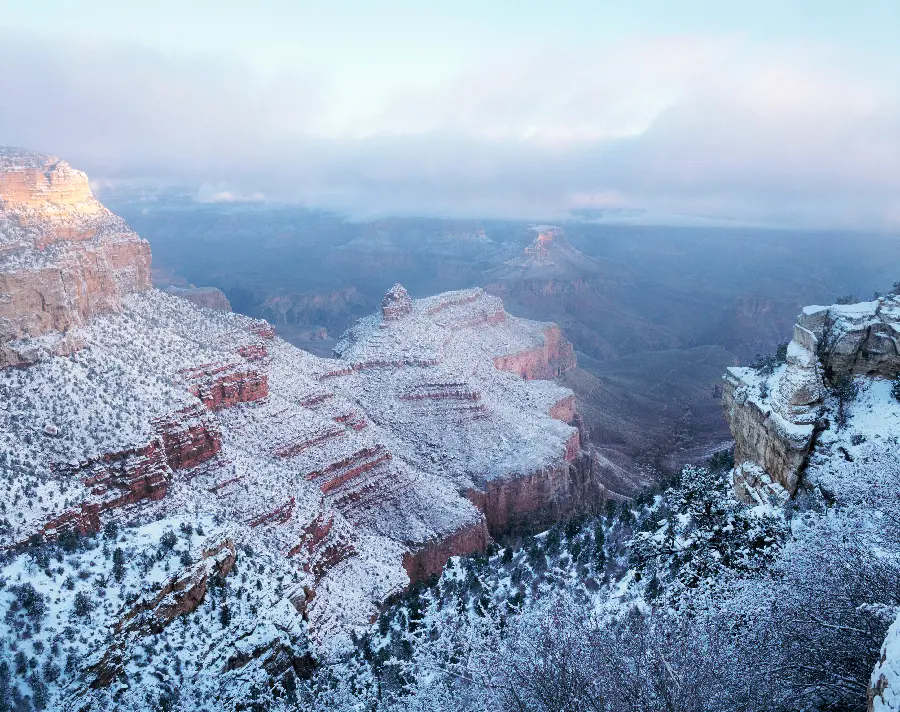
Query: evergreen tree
[118, 564]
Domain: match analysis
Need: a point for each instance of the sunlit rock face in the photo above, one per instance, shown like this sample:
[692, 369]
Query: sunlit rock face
[63, 257]
[775, 417]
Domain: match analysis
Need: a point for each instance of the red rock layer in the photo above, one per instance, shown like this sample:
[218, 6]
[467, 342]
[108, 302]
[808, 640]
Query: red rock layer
[253, 352]
[115, 480]
[549, 361]
[280, 515]
[430, 559]
[352, 420]
[339, 473]
[323, 548]
[528, 503]
[131, 476]
[224, 390]
[263, 329]
[564, 410]
[189, 438]
[292, 449]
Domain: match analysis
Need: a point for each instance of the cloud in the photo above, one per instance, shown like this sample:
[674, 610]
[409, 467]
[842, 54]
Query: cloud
[671, 126]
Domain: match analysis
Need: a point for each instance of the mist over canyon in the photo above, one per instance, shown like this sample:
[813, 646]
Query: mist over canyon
[655, 313]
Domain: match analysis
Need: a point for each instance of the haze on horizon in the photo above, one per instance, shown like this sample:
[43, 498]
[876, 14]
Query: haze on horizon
[782, 114]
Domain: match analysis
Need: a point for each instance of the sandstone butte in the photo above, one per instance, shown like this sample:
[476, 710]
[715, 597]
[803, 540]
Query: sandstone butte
[430, 431]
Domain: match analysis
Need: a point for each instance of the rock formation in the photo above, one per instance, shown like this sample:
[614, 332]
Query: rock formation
[178, 596]
[208, 297]
[408, 371]
[775, 415]
[550, 256]
[63, 257]
[882, 695]
[396, 303]
[432, 428]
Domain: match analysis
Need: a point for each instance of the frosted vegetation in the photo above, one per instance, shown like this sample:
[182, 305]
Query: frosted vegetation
[683, 599]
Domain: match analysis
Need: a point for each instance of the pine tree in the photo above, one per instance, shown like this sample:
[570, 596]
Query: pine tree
[118, 564]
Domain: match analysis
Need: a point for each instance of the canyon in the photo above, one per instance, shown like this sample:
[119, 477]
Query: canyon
[434, 428]
[654, 314]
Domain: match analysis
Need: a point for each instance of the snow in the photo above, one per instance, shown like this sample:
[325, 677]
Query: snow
[135, 371]
[886, 676]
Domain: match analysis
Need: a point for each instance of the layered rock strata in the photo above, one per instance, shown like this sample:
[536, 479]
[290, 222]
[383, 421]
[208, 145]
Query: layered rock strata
[406, 368]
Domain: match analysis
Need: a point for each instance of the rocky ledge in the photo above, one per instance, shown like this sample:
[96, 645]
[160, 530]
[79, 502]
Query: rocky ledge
[776, 413]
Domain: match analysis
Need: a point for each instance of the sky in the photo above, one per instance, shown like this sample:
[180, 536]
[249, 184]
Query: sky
[771, 112]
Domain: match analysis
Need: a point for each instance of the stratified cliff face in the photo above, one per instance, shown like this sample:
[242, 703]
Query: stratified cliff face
[775, 418]
[349, 477]
[63, 256]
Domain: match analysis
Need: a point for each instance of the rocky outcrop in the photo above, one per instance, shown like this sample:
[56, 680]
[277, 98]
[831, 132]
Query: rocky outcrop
[396, 303]
[529, 502]
[564, 409]
[114, 481]
[761, 434]
[189, 438]
[63, 257]
[429, 560]
[179, 596]
[775, 415]
[422, 356]
[859, 338]
[548, 361]
[209, 297]
[224, 385]
[883, 694]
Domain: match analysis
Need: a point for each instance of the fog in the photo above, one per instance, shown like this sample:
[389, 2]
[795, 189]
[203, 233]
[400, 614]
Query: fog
[669, 129]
